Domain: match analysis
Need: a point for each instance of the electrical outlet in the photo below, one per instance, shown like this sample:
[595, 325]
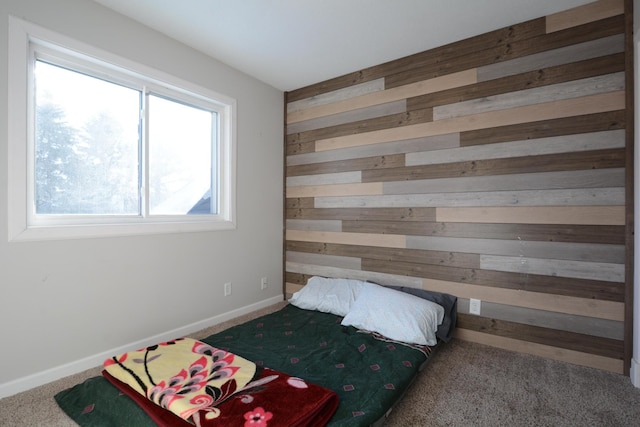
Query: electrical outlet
[263, 283]
[474, 306]
[227, 289]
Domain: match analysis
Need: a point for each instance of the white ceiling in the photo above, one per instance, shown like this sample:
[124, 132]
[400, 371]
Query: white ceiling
[293, 43]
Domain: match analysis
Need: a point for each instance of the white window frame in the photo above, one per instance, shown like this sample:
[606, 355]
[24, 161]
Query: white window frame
[23, 224]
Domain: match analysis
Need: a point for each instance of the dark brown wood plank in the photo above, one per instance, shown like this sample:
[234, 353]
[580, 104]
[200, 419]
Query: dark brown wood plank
[605, 347]
[597, 159]
[611, 120]
[591, 31]
[451, 259]
[539, 78]
[370, 214]
[581, 288]
[299, 203]
[501, 37]
[296, 278]
[603, 234]
[373, 163]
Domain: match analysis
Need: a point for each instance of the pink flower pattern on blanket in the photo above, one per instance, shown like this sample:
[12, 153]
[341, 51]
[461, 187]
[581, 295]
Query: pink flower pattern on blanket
[210, 377]
[209, 387]
[257, 418]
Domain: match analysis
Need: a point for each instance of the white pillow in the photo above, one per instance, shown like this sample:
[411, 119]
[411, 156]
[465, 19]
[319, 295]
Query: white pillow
[334, 296]
[396, 315]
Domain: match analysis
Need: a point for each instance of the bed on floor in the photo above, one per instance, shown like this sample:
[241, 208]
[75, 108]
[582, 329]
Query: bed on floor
[341, 353]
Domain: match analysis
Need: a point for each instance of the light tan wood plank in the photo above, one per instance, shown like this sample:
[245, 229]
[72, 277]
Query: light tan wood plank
[428, 144]
[549, 352]
[562, 304]
[584, 14]
[583, 215]
[607, 272]
[291, 288]
[545, 111]
[364, 239]
[424, 87]
[567, 90]
[332, 190]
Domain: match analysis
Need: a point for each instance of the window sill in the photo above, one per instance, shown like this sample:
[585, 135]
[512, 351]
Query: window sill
[41, 233]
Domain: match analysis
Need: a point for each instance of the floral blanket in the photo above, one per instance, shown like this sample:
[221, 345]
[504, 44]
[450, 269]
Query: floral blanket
[188, 382]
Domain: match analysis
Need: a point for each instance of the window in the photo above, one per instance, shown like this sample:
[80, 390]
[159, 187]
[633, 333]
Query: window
[110, 147]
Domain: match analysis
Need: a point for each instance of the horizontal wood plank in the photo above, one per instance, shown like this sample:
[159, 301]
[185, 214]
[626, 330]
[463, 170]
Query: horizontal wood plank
[531, 96]
[544, 111]
[530, 147]
[605, 347]
[323, 179]
[450, 259]
[335, 190]
[462, 78]
[362, 114]
[581, 15]
[516, 49]
[551, 285]
[614, 177]
[388, 214]
[366, 239]
[552, 63]
[324, 259]
[584, 250]
[518, 232]
[351, 165]
[598, 122]
[568, 161]
[555, 197]
[315, 225]
[336, 95]
[602, 328]
[500, 37]
[427, 144]
[609, 272]
[547, 351]
[599, 309]
[598, 253]
[308, 270]
[580, 215]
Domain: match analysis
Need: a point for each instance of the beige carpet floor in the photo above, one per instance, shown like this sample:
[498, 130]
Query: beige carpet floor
[465, 384]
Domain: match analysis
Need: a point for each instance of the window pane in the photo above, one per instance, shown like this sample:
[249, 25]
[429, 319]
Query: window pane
[86, 144]
[181, 142]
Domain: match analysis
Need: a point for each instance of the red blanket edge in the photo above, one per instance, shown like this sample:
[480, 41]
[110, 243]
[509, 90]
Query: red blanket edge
[319, 417]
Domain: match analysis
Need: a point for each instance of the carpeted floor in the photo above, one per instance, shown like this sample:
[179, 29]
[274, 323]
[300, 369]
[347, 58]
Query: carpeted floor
[465, 384]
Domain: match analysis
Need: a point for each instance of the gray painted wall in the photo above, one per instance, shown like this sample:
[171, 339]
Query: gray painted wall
[62, 302]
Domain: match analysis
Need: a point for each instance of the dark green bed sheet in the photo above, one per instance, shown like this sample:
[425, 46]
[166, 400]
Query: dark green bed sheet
[369, 375]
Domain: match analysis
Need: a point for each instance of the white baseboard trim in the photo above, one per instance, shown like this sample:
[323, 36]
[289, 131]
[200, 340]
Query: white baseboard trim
[635, 373]
[44, 377]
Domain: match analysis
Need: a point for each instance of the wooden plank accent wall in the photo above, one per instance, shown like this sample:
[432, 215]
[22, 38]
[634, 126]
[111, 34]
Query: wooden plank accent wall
[493, 168]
